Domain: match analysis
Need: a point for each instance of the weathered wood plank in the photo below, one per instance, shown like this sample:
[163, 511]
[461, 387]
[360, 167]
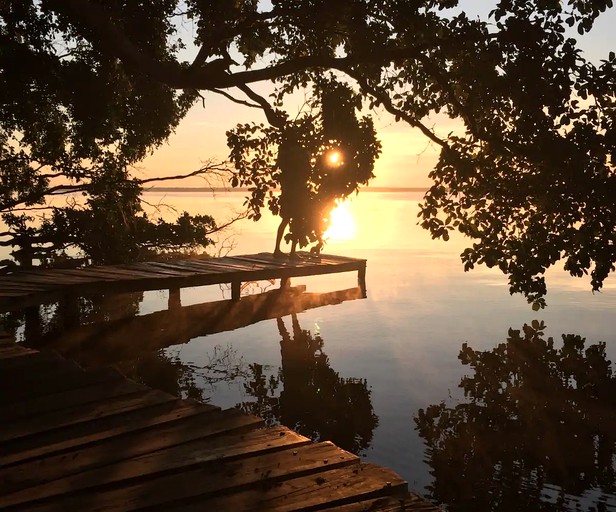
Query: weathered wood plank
[28, 360]
[83, 413]
[224, 476]
[36, 374]
[313, 492]
[66, 399]
[14, 351]
[170, 420]
[410, 503]
[259, 263]
[93, 468]
[164, 271]
[45, 280]
[69, 380]
[86, 272]
[17, 285]
[178, 266]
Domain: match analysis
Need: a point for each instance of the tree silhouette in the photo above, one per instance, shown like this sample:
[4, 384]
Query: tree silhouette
[329, 126]
[309, 396]
[90, 87]
[535, 417]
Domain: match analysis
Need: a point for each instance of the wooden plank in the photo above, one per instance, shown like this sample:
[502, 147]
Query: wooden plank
[165, 271]
[37, 372]
[201, 267]
[66, 399]
[150, 271]
[259, 263]
[7, 296]
[89, 273]
[169, 418]
[82, 470]
[234, 264]
[325, 489]
[29, 359]
[113, 273]
[175, 267]
[224, 476]
[46, 280]
[410, 503]
[93, 411]
[14, 351]
[68, 381]
[54, 373]
[20, 287]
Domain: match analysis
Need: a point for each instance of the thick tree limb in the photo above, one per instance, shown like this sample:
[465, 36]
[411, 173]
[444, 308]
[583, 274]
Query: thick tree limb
[390, 107]
[111, 37]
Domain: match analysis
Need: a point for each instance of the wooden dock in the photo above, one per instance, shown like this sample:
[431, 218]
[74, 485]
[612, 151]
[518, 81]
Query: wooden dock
[92, 440]
[36, 286]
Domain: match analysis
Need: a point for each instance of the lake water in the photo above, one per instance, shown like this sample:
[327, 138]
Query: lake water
[534, 427]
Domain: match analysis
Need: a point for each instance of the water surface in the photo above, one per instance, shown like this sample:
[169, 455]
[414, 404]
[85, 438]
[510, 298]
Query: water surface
[533, 426]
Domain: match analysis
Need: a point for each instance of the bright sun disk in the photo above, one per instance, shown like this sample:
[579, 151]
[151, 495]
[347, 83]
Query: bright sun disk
[342, 223]
[334, 158]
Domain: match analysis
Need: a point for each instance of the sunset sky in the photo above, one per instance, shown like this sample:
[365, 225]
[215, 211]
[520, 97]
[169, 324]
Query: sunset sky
[407, 156]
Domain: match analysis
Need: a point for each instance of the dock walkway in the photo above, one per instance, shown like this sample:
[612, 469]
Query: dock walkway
[35, 286]
[92, 440]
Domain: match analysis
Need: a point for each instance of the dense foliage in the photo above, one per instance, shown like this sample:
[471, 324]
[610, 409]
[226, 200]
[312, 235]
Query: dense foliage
[73, 121]
[528, 176]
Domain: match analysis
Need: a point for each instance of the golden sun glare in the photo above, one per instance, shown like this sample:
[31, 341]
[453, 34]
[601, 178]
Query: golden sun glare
[342, 223]
[334, 158]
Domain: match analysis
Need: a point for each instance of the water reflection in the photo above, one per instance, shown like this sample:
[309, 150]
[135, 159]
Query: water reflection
[309, 396]
[537, 432]
[105, 330]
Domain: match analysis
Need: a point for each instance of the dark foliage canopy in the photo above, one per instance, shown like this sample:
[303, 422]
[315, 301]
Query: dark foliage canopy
[528, 177]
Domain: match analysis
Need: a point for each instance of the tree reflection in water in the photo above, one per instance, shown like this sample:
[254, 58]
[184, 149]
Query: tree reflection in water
[537, 429]
[308, 396]
[134, 356]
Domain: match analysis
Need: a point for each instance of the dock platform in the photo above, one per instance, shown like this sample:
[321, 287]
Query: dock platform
[25, 288]
[93, 440]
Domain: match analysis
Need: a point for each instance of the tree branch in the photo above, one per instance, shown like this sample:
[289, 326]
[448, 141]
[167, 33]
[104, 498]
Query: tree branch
[235, 100]
[274, 117]
[390, 107]
[113, 39]
[203, 170]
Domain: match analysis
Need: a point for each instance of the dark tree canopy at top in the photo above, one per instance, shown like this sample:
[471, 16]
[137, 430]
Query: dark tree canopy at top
[529, 177]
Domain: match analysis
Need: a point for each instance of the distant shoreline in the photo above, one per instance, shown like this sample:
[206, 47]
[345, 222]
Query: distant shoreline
[223, 189]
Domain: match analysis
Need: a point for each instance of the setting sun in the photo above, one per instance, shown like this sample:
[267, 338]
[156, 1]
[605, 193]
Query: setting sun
[342, 223]
[334, 158]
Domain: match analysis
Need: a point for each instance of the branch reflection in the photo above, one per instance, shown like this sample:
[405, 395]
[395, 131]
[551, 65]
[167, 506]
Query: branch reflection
[538, 429]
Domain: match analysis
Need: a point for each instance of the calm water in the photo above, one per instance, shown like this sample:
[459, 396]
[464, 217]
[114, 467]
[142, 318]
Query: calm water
[534, 426]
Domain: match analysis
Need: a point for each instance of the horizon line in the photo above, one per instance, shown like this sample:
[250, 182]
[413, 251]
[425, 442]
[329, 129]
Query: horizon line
[243, 189]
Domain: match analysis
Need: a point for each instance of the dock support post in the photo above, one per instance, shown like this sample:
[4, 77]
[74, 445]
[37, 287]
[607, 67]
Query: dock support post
[68, 307]
[175, 300]
[285, 282]
[361, 280]
[235, 290]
